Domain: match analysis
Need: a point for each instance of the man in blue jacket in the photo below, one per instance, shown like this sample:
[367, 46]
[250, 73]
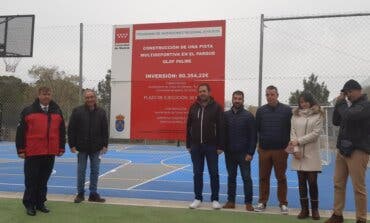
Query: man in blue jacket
[240, 145]
[273, 126]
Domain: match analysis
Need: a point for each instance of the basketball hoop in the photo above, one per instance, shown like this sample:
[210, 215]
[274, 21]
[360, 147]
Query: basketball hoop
[11, 63]
[12, 47]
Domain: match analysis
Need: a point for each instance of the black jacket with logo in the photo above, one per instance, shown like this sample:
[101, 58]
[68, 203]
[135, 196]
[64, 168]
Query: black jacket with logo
[88, 129]
[205, 125]
[354, 122]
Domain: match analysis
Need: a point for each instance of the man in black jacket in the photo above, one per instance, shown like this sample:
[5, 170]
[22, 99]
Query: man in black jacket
[204, 139]
[273, 126]
[240, 145]
[353, 117]
[88, 135]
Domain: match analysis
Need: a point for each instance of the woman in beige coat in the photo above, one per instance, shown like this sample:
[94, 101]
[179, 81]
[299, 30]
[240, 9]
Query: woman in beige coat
[306, 125]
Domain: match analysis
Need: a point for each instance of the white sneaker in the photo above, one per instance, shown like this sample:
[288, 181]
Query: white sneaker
[216, 205]
[284, 209]
[196, 204]
[260, 207]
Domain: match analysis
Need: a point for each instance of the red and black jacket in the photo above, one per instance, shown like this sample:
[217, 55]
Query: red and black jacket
[39, 132]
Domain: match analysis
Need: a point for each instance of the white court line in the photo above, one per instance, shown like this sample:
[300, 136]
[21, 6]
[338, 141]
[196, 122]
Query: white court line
[182, 192]
[112, 170]
[188, 181]
[22, 174]
[115, 169]
[55, 186]
[173, 157]
[11, 174]
[9, 168]
[121, 189]
[157, 177]
[168, 181]
[224, 175]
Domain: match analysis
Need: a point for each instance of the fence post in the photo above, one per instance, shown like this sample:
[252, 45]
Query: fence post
[81, 62]
[260, 62]
[1, 121]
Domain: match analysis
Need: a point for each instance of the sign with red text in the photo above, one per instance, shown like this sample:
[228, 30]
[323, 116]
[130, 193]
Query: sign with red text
[168, 62]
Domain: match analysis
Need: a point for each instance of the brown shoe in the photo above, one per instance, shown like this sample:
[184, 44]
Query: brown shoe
[304, 213]
[229, 205]
[315, 214]
[315, 210]
[304, 209]
[79, 198]
[335, 219]
[249, 207]
[96, 198]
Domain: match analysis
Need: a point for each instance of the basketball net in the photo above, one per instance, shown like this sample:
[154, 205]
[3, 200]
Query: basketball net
[11, 63]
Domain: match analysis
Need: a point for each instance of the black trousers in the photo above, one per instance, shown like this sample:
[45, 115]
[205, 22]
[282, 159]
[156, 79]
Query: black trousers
[310, 178]
[37, 170]
[233, 161]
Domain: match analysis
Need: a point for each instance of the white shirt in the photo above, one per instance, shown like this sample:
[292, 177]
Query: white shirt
[44, 108]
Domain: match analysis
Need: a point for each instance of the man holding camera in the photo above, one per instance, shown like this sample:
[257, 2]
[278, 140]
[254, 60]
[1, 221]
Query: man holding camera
[352, 114]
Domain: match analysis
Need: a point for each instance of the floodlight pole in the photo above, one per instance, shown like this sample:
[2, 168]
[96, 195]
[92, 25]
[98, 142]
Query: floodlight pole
[81, 63]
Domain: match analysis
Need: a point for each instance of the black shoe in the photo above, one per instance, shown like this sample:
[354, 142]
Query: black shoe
[79, 198]
[43, 209]
[96, 198]
[31, 211]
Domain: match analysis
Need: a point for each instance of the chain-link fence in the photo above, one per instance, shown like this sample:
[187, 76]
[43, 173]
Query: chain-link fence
[317, 55]
[333, 49]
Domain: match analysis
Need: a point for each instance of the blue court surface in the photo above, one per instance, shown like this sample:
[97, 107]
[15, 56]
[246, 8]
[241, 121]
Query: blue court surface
[157, 172]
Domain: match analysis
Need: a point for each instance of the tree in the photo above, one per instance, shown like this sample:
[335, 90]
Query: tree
[104, 92]
[14, 96]
[318, 90]
[366, 90]
[65, 89]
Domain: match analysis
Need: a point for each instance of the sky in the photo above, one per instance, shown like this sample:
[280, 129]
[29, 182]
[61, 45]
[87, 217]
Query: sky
[71, 12]
[293, 50]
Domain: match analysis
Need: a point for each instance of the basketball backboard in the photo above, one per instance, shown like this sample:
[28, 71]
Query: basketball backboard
[16, 35]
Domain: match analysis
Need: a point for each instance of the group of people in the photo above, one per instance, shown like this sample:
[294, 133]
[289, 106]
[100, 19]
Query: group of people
[279, 132]
[41, 135]
[276, 129]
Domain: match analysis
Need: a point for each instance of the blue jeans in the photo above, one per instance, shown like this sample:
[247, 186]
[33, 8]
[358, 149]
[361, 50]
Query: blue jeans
[233, 160]
[198, 154]
[94, 171]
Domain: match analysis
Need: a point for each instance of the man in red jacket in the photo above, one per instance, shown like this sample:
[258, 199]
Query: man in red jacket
[40, 137]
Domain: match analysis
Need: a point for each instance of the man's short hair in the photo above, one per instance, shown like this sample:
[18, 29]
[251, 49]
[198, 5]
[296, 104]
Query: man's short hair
[204, 84]
[238, 93]
[272, 87]
[44, 89]
[89, 90]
